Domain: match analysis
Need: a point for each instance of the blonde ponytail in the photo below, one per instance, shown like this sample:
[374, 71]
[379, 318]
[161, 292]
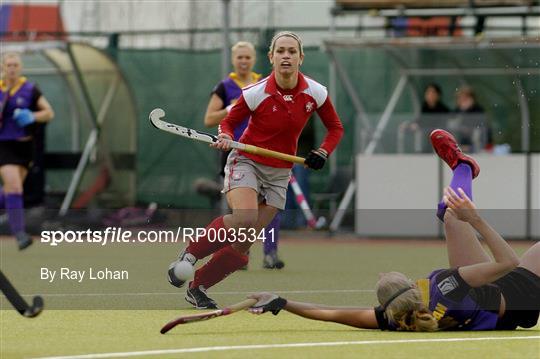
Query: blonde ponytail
[403, 304]
[424, 321]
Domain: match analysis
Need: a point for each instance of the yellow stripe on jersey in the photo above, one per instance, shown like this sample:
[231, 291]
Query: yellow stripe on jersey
[20, 81]
[423, 286]
[440, 311]
[254, 78]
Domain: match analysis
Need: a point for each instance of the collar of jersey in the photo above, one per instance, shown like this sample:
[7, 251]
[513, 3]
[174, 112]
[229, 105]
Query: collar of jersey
[423, 286]
[20, 81]
[272, 88]
[254, 78]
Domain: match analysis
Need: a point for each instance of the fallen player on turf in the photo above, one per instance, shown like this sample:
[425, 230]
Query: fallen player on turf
[475, 293]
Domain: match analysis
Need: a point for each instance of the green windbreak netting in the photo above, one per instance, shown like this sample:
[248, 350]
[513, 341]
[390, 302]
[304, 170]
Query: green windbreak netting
[180, 83]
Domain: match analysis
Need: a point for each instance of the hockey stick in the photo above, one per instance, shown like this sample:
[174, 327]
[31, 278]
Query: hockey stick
[157, 114]
[304, 206]
[17, 301]
[208, 315]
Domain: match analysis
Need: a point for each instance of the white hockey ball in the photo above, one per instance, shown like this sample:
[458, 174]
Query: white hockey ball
[184, 270]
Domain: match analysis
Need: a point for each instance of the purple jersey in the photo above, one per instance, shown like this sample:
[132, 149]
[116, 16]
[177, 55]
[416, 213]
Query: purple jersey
[454, 304]
[229, 90]
[24, 95]
[451, 298]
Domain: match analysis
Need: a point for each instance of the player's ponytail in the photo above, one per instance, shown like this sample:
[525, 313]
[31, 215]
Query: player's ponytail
[403, 305]
[424, 321]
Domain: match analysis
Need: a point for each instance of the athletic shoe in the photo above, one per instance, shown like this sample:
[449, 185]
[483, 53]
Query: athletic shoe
[23, 240]
[448, 150]
[173, 279]
[272, 261]
[198, 298]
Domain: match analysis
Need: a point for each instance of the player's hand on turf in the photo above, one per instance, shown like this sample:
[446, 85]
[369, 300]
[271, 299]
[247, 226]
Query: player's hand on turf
[267, 302]
[316, 159]
[460, 205]
[223, 143]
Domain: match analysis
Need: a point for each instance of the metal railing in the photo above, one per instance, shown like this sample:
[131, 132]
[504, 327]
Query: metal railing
[471, 129]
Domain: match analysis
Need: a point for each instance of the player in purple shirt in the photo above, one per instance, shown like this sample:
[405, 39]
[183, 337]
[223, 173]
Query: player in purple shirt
[475, 293]
[21, 106]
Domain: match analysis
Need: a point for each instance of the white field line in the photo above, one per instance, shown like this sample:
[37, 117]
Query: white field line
[314, 291]
[288, 345]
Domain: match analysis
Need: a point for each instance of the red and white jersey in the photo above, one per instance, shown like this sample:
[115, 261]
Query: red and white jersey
[278, 117]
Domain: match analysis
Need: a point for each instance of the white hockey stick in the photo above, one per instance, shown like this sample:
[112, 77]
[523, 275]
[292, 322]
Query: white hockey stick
[157, 114]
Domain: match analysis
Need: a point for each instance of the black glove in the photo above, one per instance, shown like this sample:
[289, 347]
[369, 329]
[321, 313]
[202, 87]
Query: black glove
[316, 159]
[273, 304]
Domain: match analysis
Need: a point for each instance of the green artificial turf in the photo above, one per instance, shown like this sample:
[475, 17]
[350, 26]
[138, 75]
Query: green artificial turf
[110, 317]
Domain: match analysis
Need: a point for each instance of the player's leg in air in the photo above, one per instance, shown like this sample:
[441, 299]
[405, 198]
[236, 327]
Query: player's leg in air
[462, 244]
[531, 259]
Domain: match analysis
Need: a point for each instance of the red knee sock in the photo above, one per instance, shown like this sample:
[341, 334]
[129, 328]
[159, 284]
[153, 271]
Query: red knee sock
[227, 261]
[203, 247]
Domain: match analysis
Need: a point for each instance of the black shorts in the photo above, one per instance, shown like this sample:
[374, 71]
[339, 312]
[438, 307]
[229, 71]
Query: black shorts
[16, 153]
[521, 291]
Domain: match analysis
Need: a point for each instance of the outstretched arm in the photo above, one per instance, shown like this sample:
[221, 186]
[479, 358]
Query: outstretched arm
[363, 318]
[355, 317]
[476, 275]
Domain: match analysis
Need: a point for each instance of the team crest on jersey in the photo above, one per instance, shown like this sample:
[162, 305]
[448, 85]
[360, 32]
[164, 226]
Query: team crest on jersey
[309, 106]
[287, 97]
[447, 285]
[20, 102]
